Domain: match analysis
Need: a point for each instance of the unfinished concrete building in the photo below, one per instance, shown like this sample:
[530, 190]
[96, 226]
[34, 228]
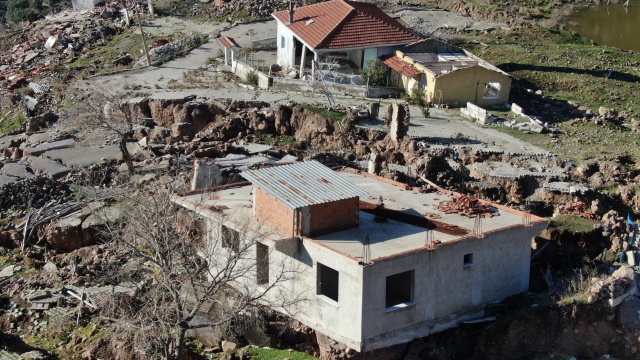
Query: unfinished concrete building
[379, 264]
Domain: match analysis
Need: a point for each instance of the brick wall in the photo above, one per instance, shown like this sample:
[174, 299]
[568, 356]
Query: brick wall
[272, 212]
[336, 215]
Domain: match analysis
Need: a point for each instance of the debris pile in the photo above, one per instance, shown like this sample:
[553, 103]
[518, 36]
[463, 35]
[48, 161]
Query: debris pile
[613, 289]
[578, 208]
[166, 51]
[34, 192]
[60, 39]
[466, 205]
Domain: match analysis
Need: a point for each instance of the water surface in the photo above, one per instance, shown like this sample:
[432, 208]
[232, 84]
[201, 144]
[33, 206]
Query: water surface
[611, 25]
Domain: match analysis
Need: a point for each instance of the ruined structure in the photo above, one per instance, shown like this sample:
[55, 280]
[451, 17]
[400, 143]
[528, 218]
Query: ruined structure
[373, 270]
[448, 74]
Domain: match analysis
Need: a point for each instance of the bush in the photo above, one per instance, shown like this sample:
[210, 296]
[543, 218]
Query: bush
[417, 98]
[376, 73]
[252, 78]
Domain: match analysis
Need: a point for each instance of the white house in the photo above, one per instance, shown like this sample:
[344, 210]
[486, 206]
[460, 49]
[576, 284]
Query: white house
[344, 29]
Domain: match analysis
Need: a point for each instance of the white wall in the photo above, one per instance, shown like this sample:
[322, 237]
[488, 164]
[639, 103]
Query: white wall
[443, 286]
[341, 322]
[286, 55]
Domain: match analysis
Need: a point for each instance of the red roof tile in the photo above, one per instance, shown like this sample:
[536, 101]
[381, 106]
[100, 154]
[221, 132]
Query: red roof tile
[228, 42]
[400, 66]
[341, 24]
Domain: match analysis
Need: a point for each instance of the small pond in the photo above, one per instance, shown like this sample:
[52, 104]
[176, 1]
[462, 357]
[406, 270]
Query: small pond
[610, 24]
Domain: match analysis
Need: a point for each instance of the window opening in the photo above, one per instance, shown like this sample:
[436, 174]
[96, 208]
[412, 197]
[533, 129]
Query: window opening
[262, 263]
[328, 281]
[230, 238]
[468, 260]
[492, 91]
[399, 289]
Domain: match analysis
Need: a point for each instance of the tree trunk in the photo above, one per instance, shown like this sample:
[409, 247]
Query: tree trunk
[180, 346]
[126, 156]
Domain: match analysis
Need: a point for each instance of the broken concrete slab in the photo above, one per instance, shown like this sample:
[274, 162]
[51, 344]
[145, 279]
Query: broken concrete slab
[30, 102]
[11, 141]
[42, 148]
[253, 148]
[85, 156]
[205, 175]
[9, 270]
[47, 167]
[287, 159]
[243, 160]
[40, 137]
[17, 170]
[4, 179]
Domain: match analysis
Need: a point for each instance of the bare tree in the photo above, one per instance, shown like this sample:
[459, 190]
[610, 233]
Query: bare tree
[185, 263]
[110, 112]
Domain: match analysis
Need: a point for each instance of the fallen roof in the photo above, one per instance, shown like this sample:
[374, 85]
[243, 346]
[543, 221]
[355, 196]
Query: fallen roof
[400, 66]
[303, 184]
[439, 58]
[342, 24]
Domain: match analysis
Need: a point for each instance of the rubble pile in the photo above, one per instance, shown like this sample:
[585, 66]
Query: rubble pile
[256, 9]
[32, 192]
[466, 205]
[166, 52]
[620, 232]
[49, 43]
[578, 208]
[613, 289]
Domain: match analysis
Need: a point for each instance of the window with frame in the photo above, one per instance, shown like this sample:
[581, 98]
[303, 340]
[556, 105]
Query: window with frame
[230, 238]
[491, 91]
[467, 260]
[328, 282]
[399, 290]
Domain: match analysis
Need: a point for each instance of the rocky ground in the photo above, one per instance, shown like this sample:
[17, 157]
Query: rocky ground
[582, 301]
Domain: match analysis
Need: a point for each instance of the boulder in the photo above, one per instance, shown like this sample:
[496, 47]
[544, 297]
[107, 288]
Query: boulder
[182, 130]
[228, 346]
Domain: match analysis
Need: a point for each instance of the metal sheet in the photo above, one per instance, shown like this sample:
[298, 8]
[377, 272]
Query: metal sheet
[303, 184]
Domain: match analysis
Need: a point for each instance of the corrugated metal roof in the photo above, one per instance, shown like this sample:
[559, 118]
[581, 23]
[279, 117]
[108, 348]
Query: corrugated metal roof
[303, 184]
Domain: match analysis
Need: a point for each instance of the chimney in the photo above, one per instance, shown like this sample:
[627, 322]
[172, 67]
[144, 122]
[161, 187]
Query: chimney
[290, 11]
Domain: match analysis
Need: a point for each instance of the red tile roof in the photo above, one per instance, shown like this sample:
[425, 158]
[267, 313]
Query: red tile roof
[400, 66]
[229, 42]
[342, 24]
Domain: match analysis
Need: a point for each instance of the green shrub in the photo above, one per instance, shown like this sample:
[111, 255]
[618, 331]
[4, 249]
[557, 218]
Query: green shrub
[252, 78]
[376, 73]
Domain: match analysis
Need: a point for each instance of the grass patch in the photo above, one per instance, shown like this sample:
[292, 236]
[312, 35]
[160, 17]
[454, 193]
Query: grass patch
[11, 122]
[566, 66]
[571, 223]
[275, 354]
[269, 139]
[335, 116]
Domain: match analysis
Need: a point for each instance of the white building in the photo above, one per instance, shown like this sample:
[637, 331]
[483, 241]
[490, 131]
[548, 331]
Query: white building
[337, 29]
[423, 270]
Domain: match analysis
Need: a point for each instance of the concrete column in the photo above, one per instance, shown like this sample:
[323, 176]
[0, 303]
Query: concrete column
[313, 65]
[233, 55]
[302, 60]
[226, 56]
